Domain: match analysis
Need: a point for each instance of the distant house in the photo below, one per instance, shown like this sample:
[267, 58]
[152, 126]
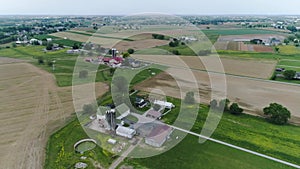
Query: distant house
[279, 69]
[139, 102]
[164, 104]
[275, 42]
[49, 39]
[158, 135]
[125, 132]
[256, 41]
[74, 51]
[123, 110]
[297, 76]
[153, 114]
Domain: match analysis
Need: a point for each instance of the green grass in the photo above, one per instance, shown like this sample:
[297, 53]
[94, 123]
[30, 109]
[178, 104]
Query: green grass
[182, 49]
[281, 79]
[190, 154]
[57, 40]
[289, 49]
[144, 75]
[60, 151]
[152, 51]
[250, 132]
[239, 31]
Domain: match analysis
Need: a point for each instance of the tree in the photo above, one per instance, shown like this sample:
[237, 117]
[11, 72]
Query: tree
[83, 74]
[286, 41]
[223, 104]
[75, 46]
[291, 28]
[235, 109]
[126, 54]
[130, 51]
[189, 98]
[277, 114]
[277, 49]
[89, 109]
[49, 46]
[112, 71]
[176, 52]
[214, 104]
[291, 37]
[14, 45]
[156, 107]
[61, 45]
[172, 44]
[40, 60]
[289, 74]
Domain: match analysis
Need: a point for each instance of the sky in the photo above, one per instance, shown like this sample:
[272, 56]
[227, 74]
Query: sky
[127, 7]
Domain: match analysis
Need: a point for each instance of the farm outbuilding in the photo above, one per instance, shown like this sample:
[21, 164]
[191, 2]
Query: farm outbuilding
[125, 132]
[164, 104]
[158, 135]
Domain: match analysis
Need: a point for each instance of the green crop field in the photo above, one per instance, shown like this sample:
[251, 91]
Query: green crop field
[57, 40]
[239, 31]
[250, 132]
[190, 154]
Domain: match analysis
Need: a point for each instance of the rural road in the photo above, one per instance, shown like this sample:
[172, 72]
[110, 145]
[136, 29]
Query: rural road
[116, 163]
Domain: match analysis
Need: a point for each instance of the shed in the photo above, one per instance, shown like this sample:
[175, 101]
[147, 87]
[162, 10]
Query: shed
[165, 104]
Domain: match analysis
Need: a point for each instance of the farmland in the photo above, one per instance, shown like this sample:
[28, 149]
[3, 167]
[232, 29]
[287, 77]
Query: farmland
[64, 62]
[36, 99]
[239, 89]
[32, 107]
[241, 67]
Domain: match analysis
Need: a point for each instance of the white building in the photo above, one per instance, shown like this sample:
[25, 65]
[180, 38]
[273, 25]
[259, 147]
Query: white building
[164, 104]
[125, 132]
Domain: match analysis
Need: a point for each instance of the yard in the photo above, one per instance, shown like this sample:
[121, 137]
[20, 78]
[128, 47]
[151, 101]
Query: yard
[61, 153]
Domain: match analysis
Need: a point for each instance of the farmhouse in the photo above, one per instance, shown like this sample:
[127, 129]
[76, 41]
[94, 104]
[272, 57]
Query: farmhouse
[125, 132]
[139, 102]
[164, 104]
[158, 135]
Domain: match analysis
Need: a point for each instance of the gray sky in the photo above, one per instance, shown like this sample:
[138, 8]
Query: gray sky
[115, 7]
